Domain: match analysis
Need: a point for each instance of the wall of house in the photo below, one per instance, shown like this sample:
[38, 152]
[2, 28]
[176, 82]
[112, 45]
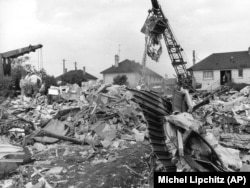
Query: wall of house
[208, 84]
[133, 78]
[153, 80]
[244, 79]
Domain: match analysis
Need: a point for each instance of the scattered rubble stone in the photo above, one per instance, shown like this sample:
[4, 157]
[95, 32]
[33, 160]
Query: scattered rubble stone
[91, 124]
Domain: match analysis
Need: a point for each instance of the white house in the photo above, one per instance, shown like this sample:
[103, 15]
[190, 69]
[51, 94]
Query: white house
[220, 68]
[132, 70]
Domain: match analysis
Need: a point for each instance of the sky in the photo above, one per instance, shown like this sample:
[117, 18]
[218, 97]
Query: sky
[92, 32]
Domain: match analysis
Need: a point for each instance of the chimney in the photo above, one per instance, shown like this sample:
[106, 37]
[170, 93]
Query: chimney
[64, 66]
[248, 50]
[75, 65]
[116, 60]
[84, 70]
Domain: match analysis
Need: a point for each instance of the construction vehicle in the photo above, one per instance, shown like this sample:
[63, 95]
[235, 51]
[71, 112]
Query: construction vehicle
[157, 27]
[7, 57]
[171, 147]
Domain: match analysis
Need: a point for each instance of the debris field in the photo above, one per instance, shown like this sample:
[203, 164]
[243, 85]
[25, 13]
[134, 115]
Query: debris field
[100, 136]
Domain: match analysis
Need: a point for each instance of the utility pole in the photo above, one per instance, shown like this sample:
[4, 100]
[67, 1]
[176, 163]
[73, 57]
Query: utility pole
[194, 60]
[75, 65]
[64, 66]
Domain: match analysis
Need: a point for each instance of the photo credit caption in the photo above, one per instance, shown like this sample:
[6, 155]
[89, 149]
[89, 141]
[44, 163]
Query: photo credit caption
[161, 179]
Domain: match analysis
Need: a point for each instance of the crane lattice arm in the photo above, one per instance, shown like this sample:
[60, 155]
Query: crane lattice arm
[6, 57]
[161, 26]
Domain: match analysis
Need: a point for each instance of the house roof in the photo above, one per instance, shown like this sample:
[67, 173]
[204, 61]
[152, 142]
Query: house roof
[86, 76]
[128, 66]
[221, 61]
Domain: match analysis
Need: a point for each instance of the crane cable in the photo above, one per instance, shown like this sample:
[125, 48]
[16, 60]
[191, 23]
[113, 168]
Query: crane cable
[39, 60]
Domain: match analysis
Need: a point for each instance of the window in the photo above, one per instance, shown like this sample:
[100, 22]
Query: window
[240, 73]
[208, 75]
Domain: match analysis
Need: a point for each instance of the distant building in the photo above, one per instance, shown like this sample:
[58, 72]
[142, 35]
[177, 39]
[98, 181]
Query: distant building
[170, 82]
[132, 70]
[85, 76]
[221, 68]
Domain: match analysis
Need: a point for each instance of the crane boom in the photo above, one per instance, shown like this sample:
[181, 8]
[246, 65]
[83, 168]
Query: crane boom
[19, 52]
[7, 56]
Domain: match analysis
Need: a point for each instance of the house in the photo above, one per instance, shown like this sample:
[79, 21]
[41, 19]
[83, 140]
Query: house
[132, 70]
[76, 73]
[221, 68]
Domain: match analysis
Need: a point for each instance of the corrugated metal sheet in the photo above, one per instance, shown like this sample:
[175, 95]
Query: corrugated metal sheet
[155, 108]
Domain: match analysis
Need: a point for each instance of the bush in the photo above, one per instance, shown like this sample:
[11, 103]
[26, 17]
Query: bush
[120, 80]
[49, 81]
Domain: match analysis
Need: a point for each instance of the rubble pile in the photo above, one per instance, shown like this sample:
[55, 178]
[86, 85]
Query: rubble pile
[226, 124]
[47, 137]
[211, 137]
[89, 123]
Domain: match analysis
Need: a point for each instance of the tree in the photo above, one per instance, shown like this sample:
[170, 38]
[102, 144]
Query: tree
[49, 81]
[74, 77]
[120, 80]
[18, 69]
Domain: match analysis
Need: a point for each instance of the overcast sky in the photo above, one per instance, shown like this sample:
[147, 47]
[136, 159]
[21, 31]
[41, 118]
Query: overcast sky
[90, 31]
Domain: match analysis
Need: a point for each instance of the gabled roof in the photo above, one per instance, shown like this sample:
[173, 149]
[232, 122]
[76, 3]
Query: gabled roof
[220, 61]
[128, 66]
[86, 76]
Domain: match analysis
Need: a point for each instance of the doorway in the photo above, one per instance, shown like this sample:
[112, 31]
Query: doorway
[225, 77]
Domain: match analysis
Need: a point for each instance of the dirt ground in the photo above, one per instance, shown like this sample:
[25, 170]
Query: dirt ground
[128, 167]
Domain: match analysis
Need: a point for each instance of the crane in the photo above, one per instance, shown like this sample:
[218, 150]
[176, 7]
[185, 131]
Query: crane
[156, 27]
[163, 139]
[6, 57]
